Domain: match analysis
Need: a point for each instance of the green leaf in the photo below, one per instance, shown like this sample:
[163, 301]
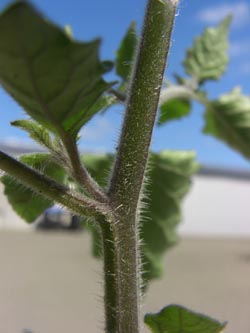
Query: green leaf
[99, 167]
[36, 132]
[56, 80]
[105, 102]
[177, 319]
[126, 52]
[169, 181]
[173, 109]
[207, 59]
[26, 203]
[228, 119]
[169, 177]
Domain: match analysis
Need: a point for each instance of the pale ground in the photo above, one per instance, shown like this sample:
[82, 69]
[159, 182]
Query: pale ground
[50, 284]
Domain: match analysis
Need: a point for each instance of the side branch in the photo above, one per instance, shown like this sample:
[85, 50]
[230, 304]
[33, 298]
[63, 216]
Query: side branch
[79, 172]
[51, 189]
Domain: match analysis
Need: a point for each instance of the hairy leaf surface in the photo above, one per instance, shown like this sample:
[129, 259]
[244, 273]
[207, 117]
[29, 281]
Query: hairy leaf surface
[36, 132]
[24, 201]
[56, 80]
[207, 59]
[228, 119]
[177, 319]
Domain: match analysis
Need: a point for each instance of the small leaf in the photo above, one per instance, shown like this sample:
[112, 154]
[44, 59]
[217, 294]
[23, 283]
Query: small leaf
[228, 119]
[56, 80]
[26, 203]
[207, 59]
[126, 52]
[173, 109]
[36, 132]
[177, 319]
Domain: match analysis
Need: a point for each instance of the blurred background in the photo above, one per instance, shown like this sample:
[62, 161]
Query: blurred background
[49, 281]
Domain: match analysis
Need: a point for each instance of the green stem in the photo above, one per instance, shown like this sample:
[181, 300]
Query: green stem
[129, 168]
[49, 188]
[110, 292]
[79, 172]
[119, 95]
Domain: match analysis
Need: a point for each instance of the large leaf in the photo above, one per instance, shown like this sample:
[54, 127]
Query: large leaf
[207, 59]
[126, 53]
[173, 109]
[56, 80]
[168, 181]
[24, 201]
[177, 319]
[228, 119]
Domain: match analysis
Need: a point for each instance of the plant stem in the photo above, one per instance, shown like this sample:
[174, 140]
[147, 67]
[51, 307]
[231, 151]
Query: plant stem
[41, 184]
[110, 292]
[80, 173]
[129, 168]
[119, 95]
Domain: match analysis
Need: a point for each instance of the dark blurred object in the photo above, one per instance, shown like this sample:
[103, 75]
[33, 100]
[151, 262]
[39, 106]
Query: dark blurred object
[57, 218]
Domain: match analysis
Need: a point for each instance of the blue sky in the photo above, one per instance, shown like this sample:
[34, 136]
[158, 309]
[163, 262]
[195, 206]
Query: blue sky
[109, 19]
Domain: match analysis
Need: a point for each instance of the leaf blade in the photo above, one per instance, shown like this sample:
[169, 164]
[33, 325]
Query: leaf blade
[55, 79]
[207, 59]
[170, 175]
[228, 119]
[21, 197]
[126, 52]
[173, 109]
[177, 319]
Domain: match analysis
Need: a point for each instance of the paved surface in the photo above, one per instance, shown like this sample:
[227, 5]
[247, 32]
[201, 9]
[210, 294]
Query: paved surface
[50, 284]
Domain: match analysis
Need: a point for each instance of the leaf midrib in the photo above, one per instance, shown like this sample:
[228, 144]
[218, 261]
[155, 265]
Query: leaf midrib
[26, 61]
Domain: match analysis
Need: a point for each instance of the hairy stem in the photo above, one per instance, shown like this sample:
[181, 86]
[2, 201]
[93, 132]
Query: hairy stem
[129, 168]
[110, 292]
[51, 189]
[80, 173]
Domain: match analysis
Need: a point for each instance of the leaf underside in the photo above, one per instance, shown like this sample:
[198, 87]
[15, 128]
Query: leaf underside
[177, 319]
[169, 180]
[55, 79]
[228, 119]
[207, 59]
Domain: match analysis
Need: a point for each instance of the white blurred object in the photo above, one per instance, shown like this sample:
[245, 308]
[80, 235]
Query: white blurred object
[217, 206]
